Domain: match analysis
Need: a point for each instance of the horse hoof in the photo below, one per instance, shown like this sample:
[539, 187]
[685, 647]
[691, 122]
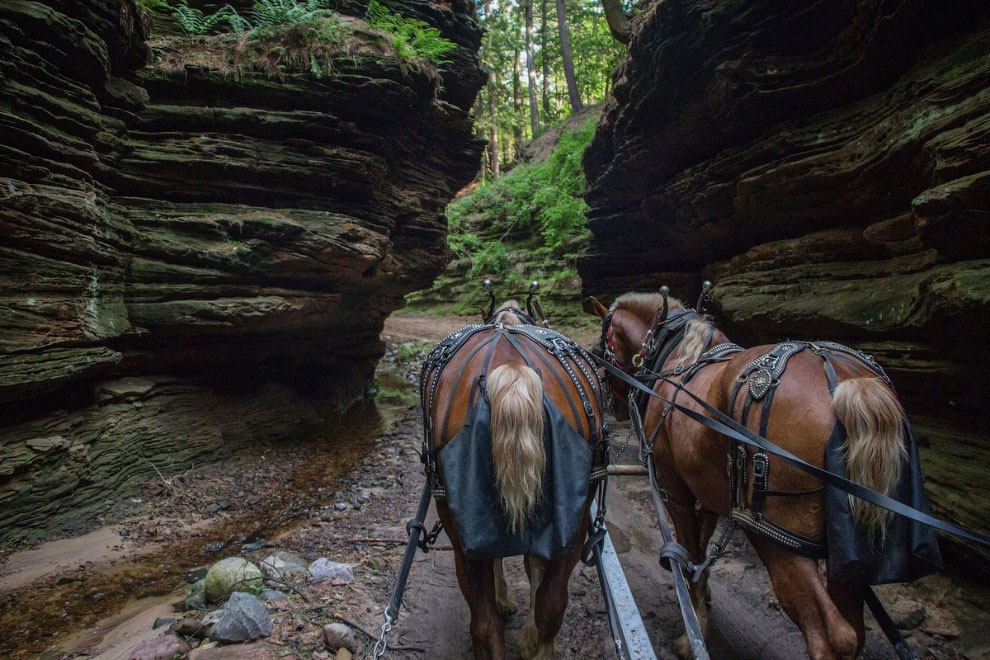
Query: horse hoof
[682, 648]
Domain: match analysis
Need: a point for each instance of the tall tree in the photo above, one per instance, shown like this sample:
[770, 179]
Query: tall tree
[534, 113]
[568, 58]
[516, 100]
[545, 61]
[493, 157]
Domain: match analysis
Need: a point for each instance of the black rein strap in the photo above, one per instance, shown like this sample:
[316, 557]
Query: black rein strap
[722, 423]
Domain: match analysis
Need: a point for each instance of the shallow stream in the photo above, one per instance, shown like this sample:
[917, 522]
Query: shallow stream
[60, 613]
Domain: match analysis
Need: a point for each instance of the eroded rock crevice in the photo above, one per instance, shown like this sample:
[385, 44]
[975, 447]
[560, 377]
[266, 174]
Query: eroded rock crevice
[191, 259]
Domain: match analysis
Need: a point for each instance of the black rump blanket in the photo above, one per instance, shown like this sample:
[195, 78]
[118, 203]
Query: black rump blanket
[468, 475]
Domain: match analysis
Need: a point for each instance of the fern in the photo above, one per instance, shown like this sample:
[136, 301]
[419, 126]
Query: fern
[152, 5]
[411, 37]
[268, 13]
[193, 21]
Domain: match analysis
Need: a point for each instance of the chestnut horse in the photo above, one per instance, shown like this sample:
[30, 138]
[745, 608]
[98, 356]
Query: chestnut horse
[518, 375]
[691, 459]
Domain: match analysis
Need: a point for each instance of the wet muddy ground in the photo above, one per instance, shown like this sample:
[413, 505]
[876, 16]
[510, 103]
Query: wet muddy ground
[346, 495]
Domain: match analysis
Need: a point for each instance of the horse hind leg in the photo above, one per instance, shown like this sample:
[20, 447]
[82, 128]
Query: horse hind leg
[547, 604]
[535, 568]
[503, 601]
[803, 595]
[848, 597]
[476, 579]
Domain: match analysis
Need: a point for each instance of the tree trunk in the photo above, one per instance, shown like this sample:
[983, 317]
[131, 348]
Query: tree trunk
[492, 125]
[492, 129]
[516, 103]
[534, 111]
[543, 60]
[565, 52]
[479, 112]
[618, 21]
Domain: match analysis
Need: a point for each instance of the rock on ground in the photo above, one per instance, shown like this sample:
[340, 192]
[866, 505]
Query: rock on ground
[245, 618]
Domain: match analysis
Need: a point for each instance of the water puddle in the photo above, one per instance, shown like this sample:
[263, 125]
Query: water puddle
[74, 608]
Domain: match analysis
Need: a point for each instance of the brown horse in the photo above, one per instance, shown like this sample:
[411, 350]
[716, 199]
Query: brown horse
[518, 376]
[691, 459]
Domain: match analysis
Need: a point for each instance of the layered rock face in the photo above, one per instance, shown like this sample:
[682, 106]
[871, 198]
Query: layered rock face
[194, 260]
[828, 166]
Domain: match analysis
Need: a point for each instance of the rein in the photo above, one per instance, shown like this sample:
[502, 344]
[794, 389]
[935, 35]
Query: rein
[725, 425]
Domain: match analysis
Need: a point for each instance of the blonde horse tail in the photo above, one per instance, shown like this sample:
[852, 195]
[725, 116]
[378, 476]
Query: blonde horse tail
[516, 396]
[874, 447]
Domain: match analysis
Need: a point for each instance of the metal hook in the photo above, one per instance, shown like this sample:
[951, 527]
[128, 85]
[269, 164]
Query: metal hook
[491, 298]
[703, 297]
[533, 288]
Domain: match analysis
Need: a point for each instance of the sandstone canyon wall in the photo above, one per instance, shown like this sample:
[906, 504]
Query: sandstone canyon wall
[828, 166]
[190, 259]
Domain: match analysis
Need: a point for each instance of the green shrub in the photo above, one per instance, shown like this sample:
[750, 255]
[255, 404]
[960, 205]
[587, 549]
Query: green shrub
[295, 46]
[543, 197]
[193, 21]
[492, 258]
[152, 5]
[269, 13]
[411, 37]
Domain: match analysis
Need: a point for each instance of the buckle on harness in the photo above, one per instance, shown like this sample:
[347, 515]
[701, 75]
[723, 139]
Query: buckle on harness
[596, 538]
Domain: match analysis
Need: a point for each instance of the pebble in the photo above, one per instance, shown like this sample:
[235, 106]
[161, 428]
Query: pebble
[337, 636]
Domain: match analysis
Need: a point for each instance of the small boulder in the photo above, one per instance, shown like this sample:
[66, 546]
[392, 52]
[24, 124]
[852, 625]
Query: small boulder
[212, 618]
[196, 600]
[906, 613]
[279, 568]
[272, 594]
[163, 648]
[244, 619]
[229, 575]
[324, 569]
[190, 626]
[338, 636]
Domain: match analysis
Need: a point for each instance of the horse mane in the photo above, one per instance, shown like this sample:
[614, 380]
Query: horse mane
[506, 316]
[645, 306]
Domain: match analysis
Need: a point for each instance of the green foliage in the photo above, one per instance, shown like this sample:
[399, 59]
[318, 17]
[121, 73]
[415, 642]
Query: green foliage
[193, 21]
[411, 37]
[152, 5]
[269, 13]
[295, 46]
[543, 198]
[492, 258]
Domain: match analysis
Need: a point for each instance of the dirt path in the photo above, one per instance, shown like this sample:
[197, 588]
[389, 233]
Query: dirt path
[356, 513]
[424, 327]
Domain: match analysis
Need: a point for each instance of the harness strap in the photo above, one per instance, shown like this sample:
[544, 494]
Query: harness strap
[460, 372]
[889, 629]
[721, 423]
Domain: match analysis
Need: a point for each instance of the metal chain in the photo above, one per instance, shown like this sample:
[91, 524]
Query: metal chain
[382, 644]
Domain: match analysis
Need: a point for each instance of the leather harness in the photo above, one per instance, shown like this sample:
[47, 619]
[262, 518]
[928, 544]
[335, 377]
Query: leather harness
[570, 356]
[762, 376]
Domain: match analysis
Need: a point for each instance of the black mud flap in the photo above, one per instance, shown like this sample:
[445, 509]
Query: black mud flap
[468, 475]
[910, 550]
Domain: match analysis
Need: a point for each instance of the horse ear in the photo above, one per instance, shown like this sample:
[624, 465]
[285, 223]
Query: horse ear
[484, 315]
[599, 309]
